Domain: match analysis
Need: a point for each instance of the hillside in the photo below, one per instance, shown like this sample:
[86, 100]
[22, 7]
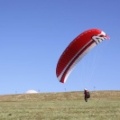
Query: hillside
[78, 95]
[103, 105]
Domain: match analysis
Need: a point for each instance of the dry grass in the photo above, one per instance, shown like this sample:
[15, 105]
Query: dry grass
[103, 105]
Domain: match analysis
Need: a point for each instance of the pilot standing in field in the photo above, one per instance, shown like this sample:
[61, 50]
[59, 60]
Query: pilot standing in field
[86, 94]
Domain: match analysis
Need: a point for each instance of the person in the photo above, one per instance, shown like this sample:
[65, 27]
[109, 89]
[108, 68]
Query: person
[86, 94]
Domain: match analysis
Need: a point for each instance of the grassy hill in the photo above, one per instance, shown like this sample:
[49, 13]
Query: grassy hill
[103, 105]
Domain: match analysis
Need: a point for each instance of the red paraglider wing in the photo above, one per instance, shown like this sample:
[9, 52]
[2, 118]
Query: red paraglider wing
[76, 50]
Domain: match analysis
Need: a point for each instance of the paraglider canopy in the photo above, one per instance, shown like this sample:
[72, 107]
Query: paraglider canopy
[75, 51]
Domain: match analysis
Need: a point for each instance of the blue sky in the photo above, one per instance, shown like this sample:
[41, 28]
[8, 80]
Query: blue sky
[34, 33]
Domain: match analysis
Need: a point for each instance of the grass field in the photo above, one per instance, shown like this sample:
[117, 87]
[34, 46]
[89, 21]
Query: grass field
[103, 105]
